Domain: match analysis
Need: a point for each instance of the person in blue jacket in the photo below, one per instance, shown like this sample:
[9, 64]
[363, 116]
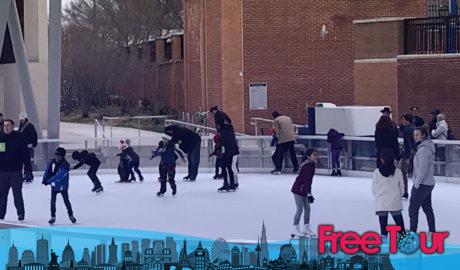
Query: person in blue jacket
[57, 176]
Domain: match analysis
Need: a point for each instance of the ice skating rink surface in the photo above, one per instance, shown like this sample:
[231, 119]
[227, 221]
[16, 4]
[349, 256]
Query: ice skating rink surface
[199, 210]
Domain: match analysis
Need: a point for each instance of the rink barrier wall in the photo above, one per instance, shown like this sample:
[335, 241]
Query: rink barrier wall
[358, 158]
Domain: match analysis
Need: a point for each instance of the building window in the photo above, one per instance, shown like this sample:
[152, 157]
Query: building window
[438, 8]
[153, 52]
[168, 49]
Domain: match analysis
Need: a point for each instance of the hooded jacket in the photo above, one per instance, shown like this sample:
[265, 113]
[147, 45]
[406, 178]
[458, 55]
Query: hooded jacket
[57, 175]
[334, 138]
[440, 133]
[424, 164]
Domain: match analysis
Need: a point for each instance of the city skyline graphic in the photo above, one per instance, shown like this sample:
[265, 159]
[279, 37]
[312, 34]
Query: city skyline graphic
[196, 254]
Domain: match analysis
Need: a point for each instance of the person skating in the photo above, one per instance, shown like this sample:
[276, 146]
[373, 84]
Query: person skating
[190, 143]
[407, 128]
[57, 176]
[335, 139]
[386, 137]
[219, 156]
[230, 150]
[285, 132]
[388, 188]
[302, 189]
[29, 133]
[123, 170]
[90, 159]
[434, 120]
[14, 155]
[423, 180]
[221, 119]
[418, 120]
[169, 153]
[132, 158]
[441, 132]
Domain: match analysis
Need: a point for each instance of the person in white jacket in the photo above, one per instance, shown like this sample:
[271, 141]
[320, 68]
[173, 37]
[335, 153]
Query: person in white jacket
[388, 188]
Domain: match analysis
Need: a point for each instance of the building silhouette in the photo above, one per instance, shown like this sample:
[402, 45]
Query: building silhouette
[99, 255]
[13, 257]
[288, 253]
[43, 251]
[183, 257]
[236, 256]
[145, 244]
[200, 258]
[68, 256]
[113, 248]
[27, 257]
[171, 245]
[135, 251]
[124, 248]
[220, 251]
[264, 255]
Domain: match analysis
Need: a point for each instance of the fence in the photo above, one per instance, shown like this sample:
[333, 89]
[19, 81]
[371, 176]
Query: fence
[435, 35]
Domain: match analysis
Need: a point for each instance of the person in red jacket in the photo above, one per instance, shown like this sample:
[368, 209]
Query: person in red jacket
[302, 194]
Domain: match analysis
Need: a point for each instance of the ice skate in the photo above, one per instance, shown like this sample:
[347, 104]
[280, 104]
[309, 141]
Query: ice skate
[405, 197]
[306, 230]
[52, 220]
[276, 172]
[233, 187]
[339, 173]
[186, 178]
[296, 232]
[295, 170]
[160, 194]
[73, 219]
[334, 173]
[21, 218]
[217, 177]
[94, 189]
[99, 190]
[141, 178]
[174, 191]
[223, 188]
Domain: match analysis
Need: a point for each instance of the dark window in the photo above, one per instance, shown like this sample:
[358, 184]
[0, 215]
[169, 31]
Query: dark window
[168, 49]
[153, 52]
[7, 48]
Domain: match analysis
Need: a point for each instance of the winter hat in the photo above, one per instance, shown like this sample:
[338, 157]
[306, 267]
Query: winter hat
[386, 110]
[122, 145]
[76, 155]
[60, 152]
[166, 136]
[22, 116]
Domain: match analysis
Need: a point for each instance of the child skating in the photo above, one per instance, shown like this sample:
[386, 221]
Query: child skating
[169, 153]
[90, 159]
[132, 158]
[57, 175]
[219, 156]
[302, 195]
[334, 138]
[388, 189]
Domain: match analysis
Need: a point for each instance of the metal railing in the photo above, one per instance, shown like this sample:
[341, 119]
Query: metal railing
[435, 35]
[255, 121]
[198, 128]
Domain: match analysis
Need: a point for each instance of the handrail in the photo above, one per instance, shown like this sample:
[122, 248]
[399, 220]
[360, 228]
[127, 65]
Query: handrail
[200, 126]
[98, 125]
[135, 117]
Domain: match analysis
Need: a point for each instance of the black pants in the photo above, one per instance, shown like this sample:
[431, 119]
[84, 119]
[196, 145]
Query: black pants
[11, 180]
[219, 166]
[167, 174]
[383, 220]
[92, 175]
[135, 165]
[335, 153]
[421, 197]
[65, 197]
[283, 148]
[194, 161]
[28, 175]
[227, 171]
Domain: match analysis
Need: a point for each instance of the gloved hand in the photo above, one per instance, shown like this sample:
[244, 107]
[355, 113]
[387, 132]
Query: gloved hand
[310, 198]
[44, 183]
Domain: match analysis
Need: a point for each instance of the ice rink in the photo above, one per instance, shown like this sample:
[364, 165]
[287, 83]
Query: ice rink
[199, 210]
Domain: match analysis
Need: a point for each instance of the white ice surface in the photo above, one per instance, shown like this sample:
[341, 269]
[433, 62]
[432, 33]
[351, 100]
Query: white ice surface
[199, 210]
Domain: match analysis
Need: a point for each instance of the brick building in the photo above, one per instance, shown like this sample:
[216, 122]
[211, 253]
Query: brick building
[303, 50]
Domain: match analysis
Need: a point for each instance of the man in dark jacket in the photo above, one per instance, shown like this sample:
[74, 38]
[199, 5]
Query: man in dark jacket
[221, 119]
[230, 150]
[190, 143]
[90, 159]
[14, 155]
[418, 120]
[407, 128]
[29, 133]
[132, 160]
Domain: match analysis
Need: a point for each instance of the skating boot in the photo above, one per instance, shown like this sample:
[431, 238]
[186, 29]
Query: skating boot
[339, 173]
[296, 232]
[73, 219]
[159, 193]
[174, 191]
[52, 220]
[141, 178]
[223, 188]
[296, 170]
[405, 196]
[217, 177]
[99, 190]
[334, 173]
[186, 178]
[21, 218]
[276, 172]
[132, 179]
[308, 231]
[94, 188]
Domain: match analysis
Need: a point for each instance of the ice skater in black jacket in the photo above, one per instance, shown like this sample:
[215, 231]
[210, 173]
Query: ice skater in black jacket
[29, 133]
[132, 159]
[57, 175]
[169, 152]
[335, 139]
[90, 159]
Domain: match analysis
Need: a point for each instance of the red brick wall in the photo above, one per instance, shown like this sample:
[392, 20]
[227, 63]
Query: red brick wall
[283, 47]
[431, 82]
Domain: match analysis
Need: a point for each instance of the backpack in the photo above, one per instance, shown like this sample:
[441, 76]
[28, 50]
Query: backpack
[450, 134]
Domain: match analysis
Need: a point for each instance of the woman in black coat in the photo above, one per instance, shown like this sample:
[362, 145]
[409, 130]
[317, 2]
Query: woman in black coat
[386, 137]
